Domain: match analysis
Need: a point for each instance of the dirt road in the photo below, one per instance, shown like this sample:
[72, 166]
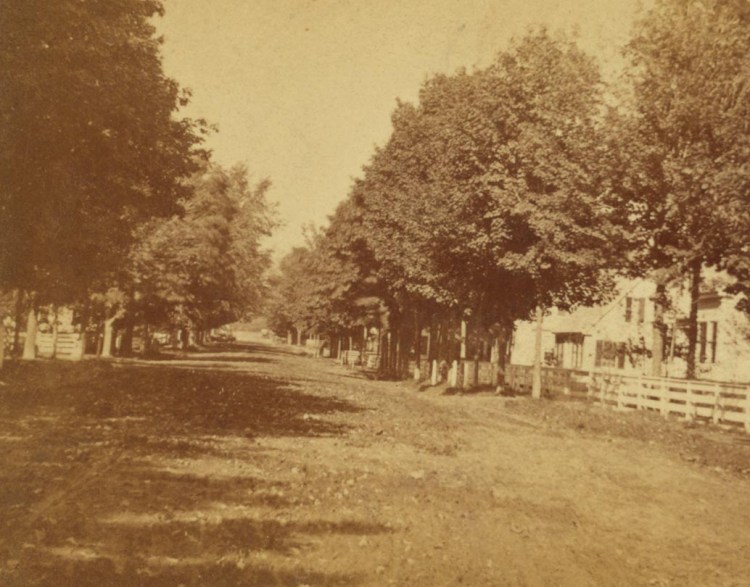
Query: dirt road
[257, 466]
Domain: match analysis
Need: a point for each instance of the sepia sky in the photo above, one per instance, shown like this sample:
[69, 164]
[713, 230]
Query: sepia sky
[302, 90]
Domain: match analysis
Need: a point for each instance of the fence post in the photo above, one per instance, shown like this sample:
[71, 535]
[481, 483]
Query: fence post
[689, 403]
[716, 415]
[747, 409]
[663, 408]
[454, 375]
[639, 400]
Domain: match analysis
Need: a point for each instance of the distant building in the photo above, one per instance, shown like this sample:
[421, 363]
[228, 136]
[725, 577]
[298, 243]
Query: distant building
[619, 335]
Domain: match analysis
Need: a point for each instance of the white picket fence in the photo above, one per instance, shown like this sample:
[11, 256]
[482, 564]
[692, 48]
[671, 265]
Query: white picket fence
[554, 380]
[717, 402]
[68, 345]
[720, 403]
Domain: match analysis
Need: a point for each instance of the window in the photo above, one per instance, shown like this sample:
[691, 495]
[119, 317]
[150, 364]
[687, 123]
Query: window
[707, 332]
[569, 350]
[641, 309]
[559, 352]
[610, 354]
[714, 332]
[628, 309]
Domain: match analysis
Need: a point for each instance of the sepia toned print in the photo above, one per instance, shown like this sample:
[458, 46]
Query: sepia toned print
[325, 292]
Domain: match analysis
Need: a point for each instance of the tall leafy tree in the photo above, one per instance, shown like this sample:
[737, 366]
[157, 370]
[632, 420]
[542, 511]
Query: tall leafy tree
[205, 267]
[485, 200]
[90, 144]
[682, 143]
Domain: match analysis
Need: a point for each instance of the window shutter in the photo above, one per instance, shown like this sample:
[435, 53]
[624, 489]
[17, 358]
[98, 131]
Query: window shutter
[620, 349]
[714, 331]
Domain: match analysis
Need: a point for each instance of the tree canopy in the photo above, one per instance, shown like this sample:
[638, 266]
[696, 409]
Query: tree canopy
[682, 143]
[90, 143]
[205, 267]
[485, 199]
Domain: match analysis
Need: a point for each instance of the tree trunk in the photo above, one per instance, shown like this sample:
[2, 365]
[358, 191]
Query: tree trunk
[475, 374]
[463, 371]
[692, 330]
[536, 385]
[146, 347]
[464, 335]
[446, 340]
[108, 337]
[29, 345]
[405, 346]
[384, 350]
[417, 347]
[100, 338]
[84, 327]
[17, 326]
[126, 343]
[289, 337]
[398, 361]
[495, 362]
[2, 344]
[389, 350]
[432, 344]
[55, 332]
[658, 332]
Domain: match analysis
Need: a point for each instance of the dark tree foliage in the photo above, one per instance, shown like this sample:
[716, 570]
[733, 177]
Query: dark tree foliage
[205, 267]
[487, 194]
[681, 145]
[89, 142]
[484, 203]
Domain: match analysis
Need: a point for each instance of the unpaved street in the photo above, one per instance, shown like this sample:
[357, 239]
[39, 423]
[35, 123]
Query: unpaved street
[258, 466]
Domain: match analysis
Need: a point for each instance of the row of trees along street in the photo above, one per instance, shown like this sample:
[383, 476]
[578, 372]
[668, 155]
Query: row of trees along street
[530, 184]
[109, 204]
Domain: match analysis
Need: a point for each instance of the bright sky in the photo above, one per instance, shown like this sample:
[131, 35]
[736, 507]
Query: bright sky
[302, 90]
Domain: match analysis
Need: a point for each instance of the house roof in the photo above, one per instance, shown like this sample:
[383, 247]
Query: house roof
[581, 320]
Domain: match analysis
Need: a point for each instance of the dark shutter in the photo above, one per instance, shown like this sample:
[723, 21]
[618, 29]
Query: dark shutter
[702, 336]
[714, 331]
[628, 308]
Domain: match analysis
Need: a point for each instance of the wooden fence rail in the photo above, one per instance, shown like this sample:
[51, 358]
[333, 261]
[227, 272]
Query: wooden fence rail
[68, 345]
[554, 380]
[717, 402]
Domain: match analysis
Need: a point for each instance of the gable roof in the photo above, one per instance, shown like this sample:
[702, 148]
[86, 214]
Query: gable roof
[581, 320]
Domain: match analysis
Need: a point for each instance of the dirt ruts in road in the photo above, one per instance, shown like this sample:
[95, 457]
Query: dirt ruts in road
[257, 466]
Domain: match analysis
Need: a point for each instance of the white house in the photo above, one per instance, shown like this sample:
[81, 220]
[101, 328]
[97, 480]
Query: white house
[619, 335]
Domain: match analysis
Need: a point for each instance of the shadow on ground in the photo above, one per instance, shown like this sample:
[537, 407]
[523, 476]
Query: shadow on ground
[150, 474]
[173, 399]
